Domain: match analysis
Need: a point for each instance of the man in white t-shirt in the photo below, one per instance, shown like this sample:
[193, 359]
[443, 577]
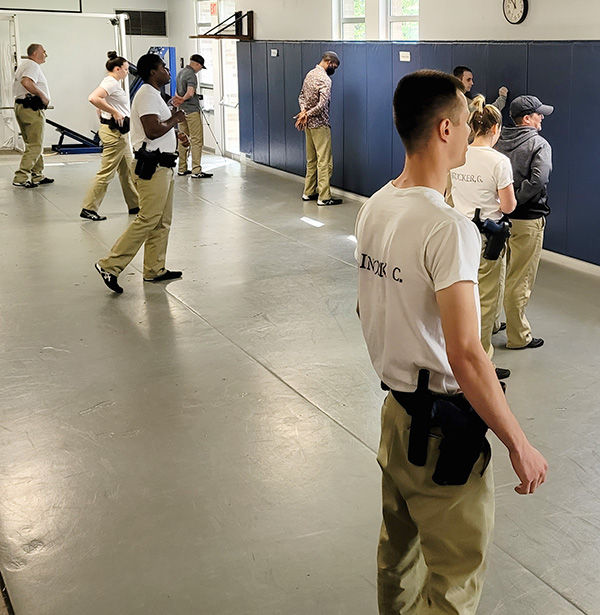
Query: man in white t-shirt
[154, 142]
[32, 96]
[418, 306]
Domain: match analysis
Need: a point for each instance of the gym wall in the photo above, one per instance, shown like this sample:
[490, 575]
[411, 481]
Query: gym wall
[367, 150]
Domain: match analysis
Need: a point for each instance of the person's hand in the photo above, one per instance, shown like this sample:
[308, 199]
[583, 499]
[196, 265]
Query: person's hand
[503, 91]
[301, 120]
[45, 100]
[176, 100]
[530, 466]
[183, 139]
[178, 115]
[118, 117]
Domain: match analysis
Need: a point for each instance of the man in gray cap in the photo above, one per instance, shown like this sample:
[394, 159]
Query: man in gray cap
[314, 120]
[531, 159]
[188, 101]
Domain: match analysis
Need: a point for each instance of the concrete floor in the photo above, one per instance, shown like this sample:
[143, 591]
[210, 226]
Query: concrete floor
[208, 446]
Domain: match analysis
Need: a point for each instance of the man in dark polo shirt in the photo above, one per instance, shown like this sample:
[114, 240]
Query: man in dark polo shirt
[187, 86]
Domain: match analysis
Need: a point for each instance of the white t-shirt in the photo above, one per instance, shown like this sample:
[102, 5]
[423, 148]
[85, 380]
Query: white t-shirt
[411, 244]
[477, 182]
[148, 101]
[117, 97]
[31, 69]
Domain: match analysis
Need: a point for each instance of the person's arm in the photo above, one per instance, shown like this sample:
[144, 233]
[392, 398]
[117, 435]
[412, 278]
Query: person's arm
[324, 95]
[98, 99]
[508, 201]
[539, 175]
[500, 102]
[155, 128]
[30, 86]
[477, 379]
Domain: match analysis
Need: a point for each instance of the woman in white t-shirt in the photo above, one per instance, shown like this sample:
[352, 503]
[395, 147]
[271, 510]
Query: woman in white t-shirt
[485, 181]
[112, 103]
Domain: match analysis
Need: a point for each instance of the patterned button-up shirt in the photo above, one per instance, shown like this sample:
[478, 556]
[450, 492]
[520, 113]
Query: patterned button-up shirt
[315, 96]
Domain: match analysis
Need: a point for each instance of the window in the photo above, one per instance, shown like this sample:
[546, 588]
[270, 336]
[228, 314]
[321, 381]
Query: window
[353, 20]
[204, 22]
[145, 23]
[403, 20]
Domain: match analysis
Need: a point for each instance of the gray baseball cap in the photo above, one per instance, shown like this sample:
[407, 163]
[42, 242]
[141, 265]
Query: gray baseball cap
[524, 105]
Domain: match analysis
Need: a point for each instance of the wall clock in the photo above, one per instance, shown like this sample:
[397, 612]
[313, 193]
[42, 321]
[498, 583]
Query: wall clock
[515, 11]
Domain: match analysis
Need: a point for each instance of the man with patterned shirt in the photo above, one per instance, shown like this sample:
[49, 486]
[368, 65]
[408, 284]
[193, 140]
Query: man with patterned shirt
[314, 120]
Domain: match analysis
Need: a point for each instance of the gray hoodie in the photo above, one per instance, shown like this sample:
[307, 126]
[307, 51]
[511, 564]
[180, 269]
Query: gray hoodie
[531, 159]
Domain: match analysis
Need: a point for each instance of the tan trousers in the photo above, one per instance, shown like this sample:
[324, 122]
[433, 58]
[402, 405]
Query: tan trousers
[116, 157]
[434, 539]
[31, 123]
[319, 162]
[150, 227]
[490, 278]
[193, 128]
[522, 261]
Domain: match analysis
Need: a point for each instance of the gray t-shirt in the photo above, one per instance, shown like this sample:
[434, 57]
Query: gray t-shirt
[186, 78]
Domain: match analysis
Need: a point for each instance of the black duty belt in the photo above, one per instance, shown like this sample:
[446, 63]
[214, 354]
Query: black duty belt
[463, 431]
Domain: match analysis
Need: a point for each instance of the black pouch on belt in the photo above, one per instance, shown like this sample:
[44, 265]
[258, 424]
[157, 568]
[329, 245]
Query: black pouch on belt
[168, 160]
[32, 101]
[113, 125]
[147, 162]
[463, 440]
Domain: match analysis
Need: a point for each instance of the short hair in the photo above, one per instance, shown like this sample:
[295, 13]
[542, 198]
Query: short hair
[421, 100]
[147, 63]
[483, 117]
[33, 48]
[114, 61]
[518, 120]
[331, 56]
[459, 71]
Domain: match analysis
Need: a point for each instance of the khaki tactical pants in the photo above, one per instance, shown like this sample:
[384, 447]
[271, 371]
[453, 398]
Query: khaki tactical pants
[150, 227]
[116, 156]
[193, 128]
[31, 123]
[490, 280]
[319, 162]
[434, 539]
[523, 258]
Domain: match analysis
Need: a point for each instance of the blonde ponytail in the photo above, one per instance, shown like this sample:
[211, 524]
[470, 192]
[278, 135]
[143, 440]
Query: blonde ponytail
[483, 117]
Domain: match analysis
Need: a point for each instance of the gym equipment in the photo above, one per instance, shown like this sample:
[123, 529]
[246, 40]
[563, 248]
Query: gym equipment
[85, 145]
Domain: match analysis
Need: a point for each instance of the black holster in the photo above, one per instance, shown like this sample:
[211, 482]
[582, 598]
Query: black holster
[463, 432]
[32, 101]
[496, 233]
[113, 124]
[146, 164]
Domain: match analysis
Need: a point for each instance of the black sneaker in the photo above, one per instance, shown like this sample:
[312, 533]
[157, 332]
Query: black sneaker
[167, 275]
[109, 279]
[25, 184]
[502, 373]
[500, 328]
[310, 197]
[45, 180]
[134, 211]
[201, 175]
[88, 214]
[330, 202]
[535, 342]
[181, 173]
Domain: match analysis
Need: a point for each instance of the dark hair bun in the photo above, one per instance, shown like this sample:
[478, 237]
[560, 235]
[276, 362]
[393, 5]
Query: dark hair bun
[112, 55]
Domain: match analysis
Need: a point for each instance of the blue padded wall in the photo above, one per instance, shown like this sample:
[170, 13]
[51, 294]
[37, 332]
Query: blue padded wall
[244, 61]
[355, 117]
[260, 102]
[276, 106]
[551, 86]
[336, 114]
[399, 70]
[294, 139]
[367, 151]
[583, 216]
[380, 89]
